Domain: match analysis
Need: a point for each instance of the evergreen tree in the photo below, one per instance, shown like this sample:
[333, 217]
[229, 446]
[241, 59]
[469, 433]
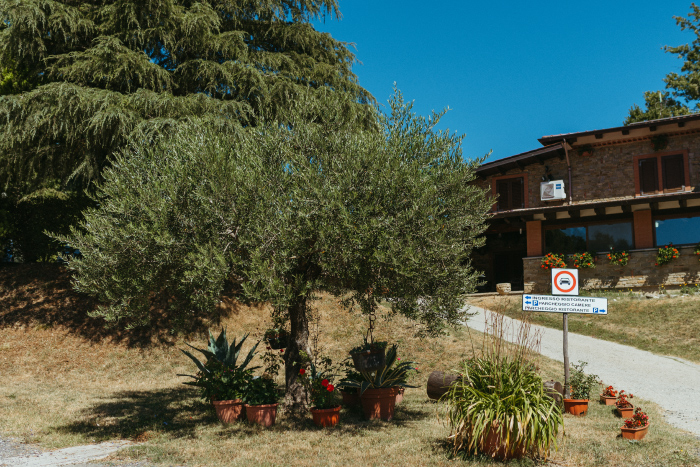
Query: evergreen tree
[684, 87]
[276, 213]
[101, 70]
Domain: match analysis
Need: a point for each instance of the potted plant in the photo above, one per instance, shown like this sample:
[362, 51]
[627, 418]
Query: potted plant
[618, 258]
[696, 251]
[499, 407]
[221, 379]
[583, 260]
[379, 388]
[325, 409]
[666, 254]
[553, 260]
[581, 386]
[369, 356]
[624, 406]
[636, 427]
[609, 396]
[260, 399]
[350, 395]
[276, 338]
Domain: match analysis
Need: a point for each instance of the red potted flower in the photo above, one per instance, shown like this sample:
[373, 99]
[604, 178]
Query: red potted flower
[624, 407]
[636, 427]
[609, 396]
[322, 392]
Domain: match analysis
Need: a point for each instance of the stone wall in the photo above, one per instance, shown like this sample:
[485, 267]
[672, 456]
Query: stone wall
[607, 174]
[640, 272]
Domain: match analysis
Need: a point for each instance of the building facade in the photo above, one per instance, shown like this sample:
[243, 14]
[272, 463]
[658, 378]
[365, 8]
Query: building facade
[633, 188]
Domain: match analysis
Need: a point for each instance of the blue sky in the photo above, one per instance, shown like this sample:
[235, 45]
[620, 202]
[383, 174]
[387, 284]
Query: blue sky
[512, 72]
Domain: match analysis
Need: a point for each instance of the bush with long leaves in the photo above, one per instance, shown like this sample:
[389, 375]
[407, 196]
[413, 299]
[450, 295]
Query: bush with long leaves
[388, 376]
[502, 395]
[220, 377]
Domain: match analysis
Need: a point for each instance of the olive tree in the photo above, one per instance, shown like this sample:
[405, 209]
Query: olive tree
[278, 213]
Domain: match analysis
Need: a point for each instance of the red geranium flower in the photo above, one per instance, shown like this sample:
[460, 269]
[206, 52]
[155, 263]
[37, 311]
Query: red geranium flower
[330, 388]
[302, 371]
[324, 383]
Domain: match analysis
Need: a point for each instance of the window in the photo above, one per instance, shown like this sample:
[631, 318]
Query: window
[511, 193]
[604, 237]
[568, 240]
[595, 238]
[679, 231]
[661, 174]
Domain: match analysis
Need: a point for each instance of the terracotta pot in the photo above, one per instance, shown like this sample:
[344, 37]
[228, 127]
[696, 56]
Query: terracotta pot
[607, 400]
[326, 417]
[634, 433]
[493, 444]
[277, 341]
[379, 403]
[369, 360]
[576, 406]
[229, 411]
[399, 395]
[627, 412]
[264, 415]
[350, 399]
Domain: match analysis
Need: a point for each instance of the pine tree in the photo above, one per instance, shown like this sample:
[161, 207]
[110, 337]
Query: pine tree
[684, 87]
[101, 70]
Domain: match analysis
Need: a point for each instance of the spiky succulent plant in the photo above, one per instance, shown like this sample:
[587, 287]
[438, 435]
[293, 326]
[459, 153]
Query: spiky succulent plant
[220, 376]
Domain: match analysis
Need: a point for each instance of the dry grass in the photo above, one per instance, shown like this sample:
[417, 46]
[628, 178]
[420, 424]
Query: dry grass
[664, 326]
[63, 387]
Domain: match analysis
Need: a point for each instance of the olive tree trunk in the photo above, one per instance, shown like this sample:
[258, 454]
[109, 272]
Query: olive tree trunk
[295, 395]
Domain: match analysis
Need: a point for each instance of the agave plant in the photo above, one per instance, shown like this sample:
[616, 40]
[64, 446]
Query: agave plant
[220, 376]
[392, 374]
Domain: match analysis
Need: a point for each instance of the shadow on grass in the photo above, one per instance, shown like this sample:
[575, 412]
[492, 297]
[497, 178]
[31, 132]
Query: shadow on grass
[41, 295]
[179, 412]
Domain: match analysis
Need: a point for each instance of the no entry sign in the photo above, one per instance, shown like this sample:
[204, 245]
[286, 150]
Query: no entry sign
[564, 281]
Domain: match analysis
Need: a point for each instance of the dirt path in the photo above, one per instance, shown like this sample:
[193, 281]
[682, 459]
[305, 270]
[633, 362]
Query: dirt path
[671, 382]
[14, 454]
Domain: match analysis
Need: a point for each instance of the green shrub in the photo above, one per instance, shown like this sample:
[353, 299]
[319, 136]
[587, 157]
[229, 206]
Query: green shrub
[495, 391]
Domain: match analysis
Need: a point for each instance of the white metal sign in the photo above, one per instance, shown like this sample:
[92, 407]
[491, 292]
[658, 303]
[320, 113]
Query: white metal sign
[553, 304]
[564, 281]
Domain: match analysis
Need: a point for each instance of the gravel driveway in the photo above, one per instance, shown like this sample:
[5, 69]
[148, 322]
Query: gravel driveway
[671, 382]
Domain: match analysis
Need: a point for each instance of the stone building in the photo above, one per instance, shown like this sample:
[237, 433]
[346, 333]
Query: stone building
[632, 188]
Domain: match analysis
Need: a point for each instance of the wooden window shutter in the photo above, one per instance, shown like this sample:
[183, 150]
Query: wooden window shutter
[672, 172]
[648, 176]
[510, 194]
[516, 194]
[503, 189]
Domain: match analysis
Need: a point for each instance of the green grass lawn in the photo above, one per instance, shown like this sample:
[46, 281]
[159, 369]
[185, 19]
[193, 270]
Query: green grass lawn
[667, 326]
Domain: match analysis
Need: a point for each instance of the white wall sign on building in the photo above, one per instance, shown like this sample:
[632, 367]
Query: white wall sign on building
[564, 281]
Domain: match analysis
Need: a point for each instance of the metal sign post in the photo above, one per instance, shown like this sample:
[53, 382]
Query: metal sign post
[565, 299]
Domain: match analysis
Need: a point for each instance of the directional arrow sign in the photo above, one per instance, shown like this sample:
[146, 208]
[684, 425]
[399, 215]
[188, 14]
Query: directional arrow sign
[566, 304]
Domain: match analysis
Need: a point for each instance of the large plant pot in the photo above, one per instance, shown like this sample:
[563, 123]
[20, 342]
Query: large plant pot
[369, 360]
[627, 412]
[494, 445]
[634, 433]
[264, 415]
[277, 341]
[326, 417]
[576, 406]
[350, 399]
[608, 400]
[399, 395]
[229, 411]
[379, 403]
